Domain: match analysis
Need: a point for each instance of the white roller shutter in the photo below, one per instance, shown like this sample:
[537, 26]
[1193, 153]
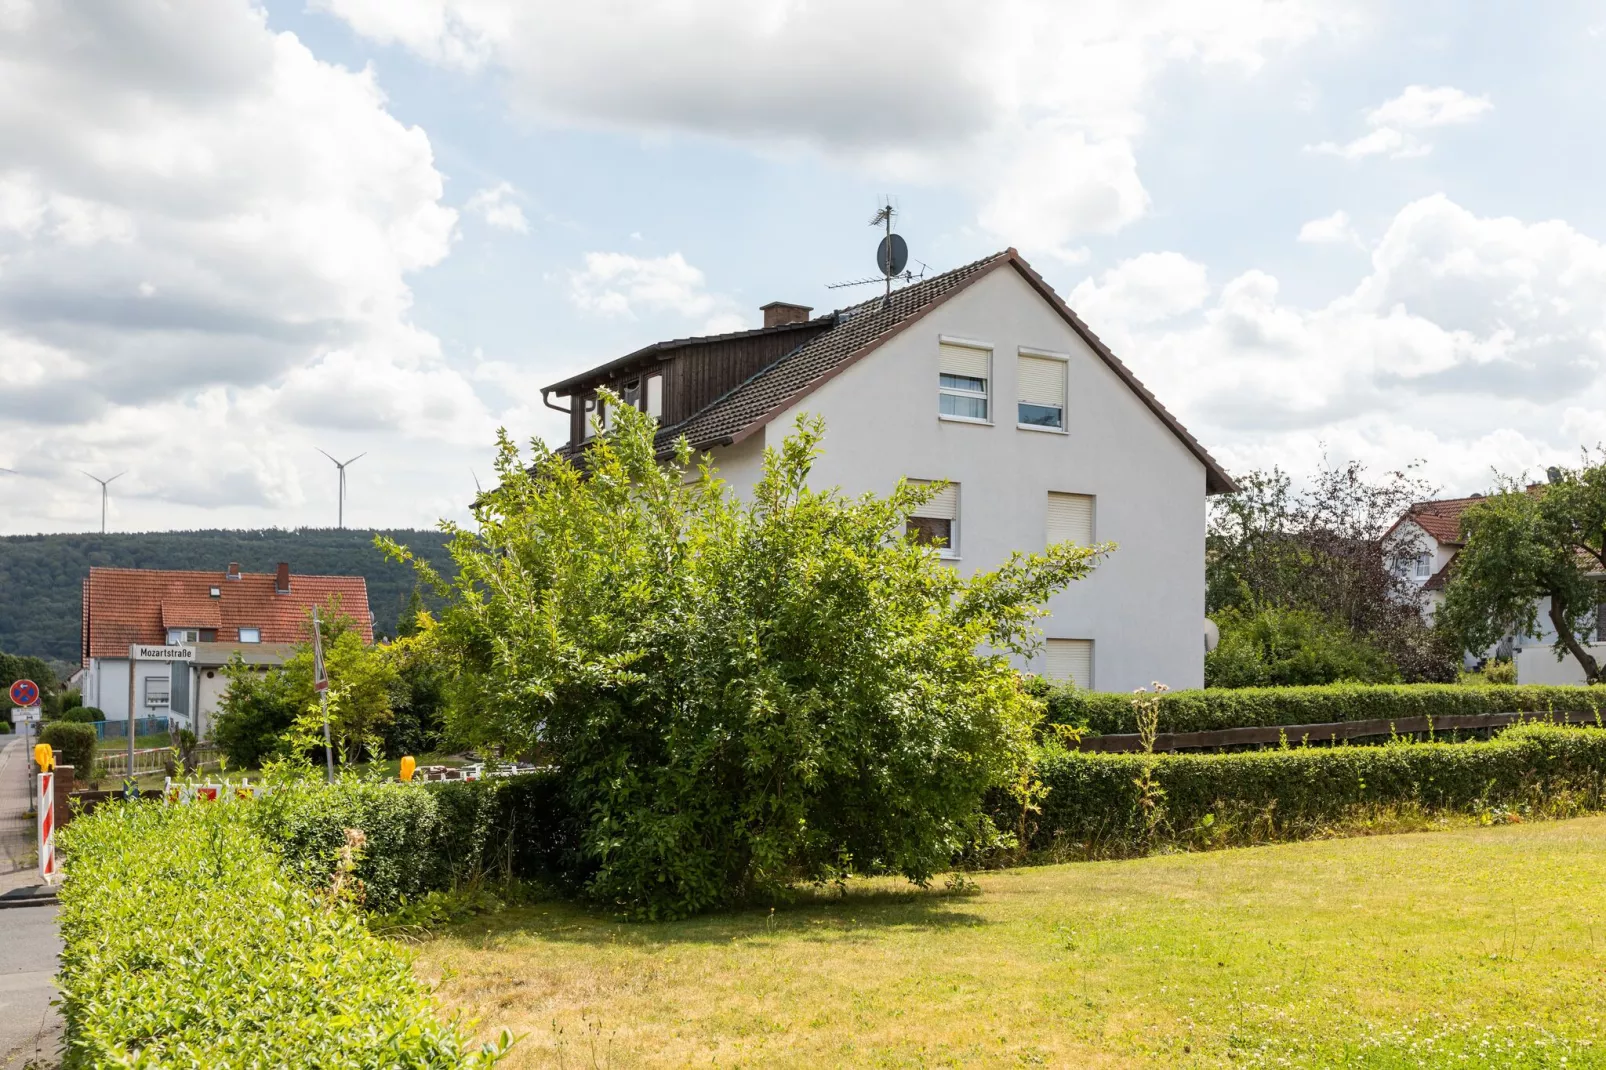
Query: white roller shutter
[1070, 519]
[945, 506]
[1069, 660]
[1042, 381]
[963, 360]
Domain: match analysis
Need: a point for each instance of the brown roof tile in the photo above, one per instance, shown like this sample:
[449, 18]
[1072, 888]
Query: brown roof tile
[123, 606]
[859, 330]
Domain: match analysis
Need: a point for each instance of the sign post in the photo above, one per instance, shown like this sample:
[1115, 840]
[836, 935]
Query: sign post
[138, 652]
[320, 681]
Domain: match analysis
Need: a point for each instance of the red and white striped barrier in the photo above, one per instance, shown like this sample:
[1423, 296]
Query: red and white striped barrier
[47, 826]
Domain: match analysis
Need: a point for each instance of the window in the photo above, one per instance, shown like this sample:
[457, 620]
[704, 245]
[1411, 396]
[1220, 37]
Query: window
[1423, 566]
[1070, 519]
[937, 522]
[183, 635]
[250, 635]
[1069, 660]
[963, 372]
[588, 409]
[655, 396]
[630, 393]
[157, 689]
[1041, 385]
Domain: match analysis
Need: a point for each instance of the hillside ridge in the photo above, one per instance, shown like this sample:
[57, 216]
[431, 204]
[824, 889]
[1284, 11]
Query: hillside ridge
[41, 576]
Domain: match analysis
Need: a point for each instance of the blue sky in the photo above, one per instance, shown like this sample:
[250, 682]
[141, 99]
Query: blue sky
[230, 234]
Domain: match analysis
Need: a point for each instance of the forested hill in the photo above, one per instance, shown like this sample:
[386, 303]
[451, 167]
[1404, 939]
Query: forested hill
[41, 576]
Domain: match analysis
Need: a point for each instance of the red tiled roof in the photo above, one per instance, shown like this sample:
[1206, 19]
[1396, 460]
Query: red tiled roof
[123, 606]
[1440, 519]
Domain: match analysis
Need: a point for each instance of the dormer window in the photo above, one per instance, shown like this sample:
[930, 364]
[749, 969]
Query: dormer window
[630, 393]
[588, 410]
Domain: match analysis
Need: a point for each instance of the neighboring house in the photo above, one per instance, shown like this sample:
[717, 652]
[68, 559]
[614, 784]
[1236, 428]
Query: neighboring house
[984, 378]
[259, 616]
[1424, 541]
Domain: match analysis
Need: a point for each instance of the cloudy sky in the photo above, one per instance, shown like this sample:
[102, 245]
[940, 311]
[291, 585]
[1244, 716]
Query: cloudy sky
[234, 234]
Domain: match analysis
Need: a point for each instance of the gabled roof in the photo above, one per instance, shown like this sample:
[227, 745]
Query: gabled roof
[855, 332]
[1440, 519]
[123, 606]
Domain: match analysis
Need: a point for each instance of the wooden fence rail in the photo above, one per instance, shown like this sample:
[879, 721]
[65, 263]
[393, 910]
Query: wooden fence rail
[1329, 732]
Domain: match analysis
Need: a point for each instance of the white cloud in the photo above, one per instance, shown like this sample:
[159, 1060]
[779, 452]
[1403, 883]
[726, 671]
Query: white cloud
[1032, 107]
[1473, 342]
[1144, 289]
[1395, 122]
[1420, 107]
[496, 206]
[620, 284]
[1334, 229]
[206, 235]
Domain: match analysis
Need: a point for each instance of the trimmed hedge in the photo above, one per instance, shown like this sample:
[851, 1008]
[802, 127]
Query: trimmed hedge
[1094, 800]
[424, 838]
[74, 745]
[1216, 708]
[187, 943]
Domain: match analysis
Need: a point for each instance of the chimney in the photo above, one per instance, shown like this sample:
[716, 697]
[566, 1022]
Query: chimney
[234, 571]
[777, 313]
[281, 583]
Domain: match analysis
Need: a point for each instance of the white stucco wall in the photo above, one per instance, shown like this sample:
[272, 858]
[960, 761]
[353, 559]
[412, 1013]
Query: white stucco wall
[1144, 608]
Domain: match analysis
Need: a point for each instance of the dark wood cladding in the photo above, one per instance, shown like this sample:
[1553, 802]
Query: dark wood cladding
[699, 372]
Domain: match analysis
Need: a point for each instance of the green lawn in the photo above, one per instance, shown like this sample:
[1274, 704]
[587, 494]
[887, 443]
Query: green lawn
[1477, 947]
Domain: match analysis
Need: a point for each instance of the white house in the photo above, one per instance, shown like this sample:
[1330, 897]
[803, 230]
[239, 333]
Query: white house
[203, 619]
[985, 378]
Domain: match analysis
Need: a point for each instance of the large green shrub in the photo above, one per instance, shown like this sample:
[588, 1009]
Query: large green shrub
[82, 715]
[186, 943]
[74, 744]
[1291, 647]
[740, 695]
[1212, 709]
[1094, 799]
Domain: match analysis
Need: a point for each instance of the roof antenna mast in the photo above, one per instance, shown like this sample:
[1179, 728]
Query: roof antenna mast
[891, 256]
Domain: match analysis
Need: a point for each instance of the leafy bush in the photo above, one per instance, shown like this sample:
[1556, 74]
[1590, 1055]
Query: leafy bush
[1500, 671]
[1291, 647]
[5, 726]
[425, 838]
[254, 711]
[1094, 799]
[187, 944]
[1211, 709]
[81, 715]
[74, 744]
[740, 695]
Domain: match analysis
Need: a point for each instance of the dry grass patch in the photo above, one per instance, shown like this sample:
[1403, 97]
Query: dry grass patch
[1473, 947]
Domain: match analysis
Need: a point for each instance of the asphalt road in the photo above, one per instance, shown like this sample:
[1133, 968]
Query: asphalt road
[30, 1032]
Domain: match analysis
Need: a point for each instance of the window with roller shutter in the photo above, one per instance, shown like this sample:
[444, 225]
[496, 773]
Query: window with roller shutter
[1069, 661]
[1041, 381]
[1070, 519]
[964, 377]
[937, 522]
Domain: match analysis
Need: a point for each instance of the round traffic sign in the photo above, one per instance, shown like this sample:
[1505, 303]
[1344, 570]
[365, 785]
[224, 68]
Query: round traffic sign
[24, 693]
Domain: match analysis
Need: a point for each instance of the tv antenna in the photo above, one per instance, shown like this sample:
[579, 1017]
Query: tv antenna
[104, 483]
[341, 497]
[891, 257]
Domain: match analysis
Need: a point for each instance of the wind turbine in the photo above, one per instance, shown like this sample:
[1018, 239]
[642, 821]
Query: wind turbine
[104, 483]
[341, 465]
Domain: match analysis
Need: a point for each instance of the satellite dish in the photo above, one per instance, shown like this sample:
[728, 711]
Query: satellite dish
[892, 255]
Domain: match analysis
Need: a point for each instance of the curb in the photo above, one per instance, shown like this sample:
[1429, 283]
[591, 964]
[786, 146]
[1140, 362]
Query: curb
[28, 897]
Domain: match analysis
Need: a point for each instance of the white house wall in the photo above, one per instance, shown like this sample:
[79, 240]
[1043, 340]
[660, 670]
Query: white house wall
[1144, 607]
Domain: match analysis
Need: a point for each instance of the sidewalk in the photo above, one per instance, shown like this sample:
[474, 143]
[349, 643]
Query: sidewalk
[30, 1028]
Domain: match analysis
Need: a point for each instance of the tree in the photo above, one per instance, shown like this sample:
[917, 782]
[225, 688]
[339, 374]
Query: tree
[262, 709]
[739, 696]
[1525, 546]
[1322, 550]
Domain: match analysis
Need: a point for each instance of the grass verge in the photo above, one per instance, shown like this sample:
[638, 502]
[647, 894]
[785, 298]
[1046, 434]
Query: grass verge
[1474, 947]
